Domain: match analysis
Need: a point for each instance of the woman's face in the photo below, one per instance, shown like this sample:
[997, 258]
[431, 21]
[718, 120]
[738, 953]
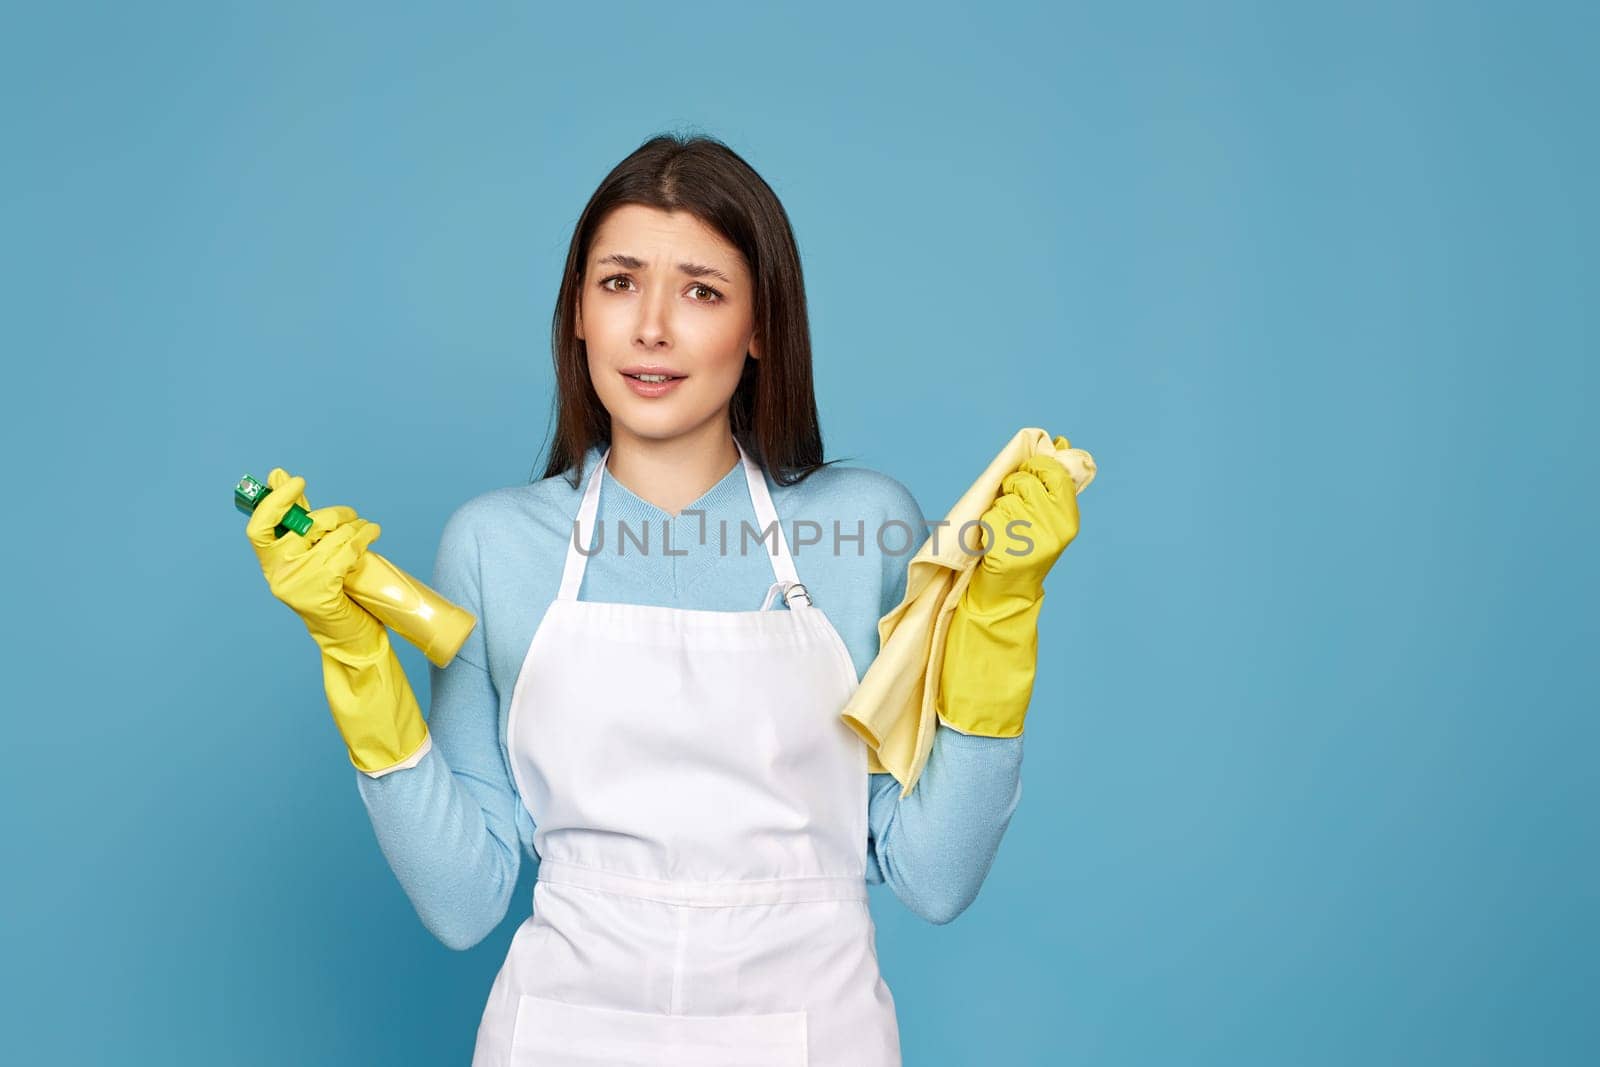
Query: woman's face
[663, 290]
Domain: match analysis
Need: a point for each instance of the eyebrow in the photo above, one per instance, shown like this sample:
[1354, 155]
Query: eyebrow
[694, 270]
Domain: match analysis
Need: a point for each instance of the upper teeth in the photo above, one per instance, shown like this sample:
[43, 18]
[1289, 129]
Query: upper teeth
[653, 377]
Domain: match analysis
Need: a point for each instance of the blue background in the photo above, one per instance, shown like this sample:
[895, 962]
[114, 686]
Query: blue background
[1310, 774]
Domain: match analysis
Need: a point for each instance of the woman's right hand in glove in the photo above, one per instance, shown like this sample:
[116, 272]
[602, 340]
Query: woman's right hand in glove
[372, 702]
[307, 572]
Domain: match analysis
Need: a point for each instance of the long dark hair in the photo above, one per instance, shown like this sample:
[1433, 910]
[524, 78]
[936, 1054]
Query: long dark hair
[773, 412]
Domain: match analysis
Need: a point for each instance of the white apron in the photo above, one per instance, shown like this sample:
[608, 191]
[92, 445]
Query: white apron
[700, 814]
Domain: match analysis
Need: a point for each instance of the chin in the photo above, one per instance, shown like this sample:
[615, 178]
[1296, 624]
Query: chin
[655, 425]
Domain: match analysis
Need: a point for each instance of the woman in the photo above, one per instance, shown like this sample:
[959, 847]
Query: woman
[636, 708]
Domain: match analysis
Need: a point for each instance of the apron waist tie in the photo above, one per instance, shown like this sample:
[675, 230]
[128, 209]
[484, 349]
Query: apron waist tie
[706, 894]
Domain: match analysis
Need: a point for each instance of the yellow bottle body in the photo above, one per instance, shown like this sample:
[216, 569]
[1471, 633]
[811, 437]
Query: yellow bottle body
[409, 608]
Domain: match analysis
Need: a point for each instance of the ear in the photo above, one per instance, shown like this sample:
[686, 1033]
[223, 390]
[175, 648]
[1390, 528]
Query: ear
[755, 346]
[577, 320]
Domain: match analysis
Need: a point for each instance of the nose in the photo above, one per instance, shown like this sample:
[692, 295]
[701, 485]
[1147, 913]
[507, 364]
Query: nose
[653, 329]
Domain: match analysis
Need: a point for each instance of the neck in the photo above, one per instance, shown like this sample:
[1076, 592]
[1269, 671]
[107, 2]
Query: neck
[673, 472]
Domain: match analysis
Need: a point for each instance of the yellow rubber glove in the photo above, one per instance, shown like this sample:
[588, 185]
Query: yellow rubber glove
[372, 701]
[992, 645]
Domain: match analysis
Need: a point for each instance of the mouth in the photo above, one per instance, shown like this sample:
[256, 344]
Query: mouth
[652, 381]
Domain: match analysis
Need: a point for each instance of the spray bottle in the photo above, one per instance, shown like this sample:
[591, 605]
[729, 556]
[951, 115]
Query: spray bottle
[399, 601]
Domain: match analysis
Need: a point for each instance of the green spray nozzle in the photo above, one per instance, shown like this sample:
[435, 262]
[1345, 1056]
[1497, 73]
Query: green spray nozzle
[249, 494]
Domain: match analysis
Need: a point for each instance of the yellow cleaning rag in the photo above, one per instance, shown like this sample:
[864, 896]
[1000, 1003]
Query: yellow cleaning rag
[894, 708]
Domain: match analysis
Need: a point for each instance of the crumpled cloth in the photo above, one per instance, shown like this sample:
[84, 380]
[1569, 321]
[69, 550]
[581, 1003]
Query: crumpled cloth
[894, 708]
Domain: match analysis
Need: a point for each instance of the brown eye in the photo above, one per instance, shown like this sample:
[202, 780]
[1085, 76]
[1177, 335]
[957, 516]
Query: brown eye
[715, 296]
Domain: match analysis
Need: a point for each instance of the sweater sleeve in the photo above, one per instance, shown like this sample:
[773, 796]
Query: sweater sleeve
[453, 827]
[935, 847]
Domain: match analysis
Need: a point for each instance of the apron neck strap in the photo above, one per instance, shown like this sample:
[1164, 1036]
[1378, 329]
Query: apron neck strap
[766, 517]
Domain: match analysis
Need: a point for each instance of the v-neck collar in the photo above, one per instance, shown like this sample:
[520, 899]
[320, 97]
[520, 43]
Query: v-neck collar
[727, 494]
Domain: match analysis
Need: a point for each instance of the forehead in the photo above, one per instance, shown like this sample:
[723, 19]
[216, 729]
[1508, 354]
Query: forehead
[654, 235]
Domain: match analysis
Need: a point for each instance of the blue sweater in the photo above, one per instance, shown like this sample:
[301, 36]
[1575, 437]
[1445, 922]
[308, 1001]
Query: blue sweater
[453, 827]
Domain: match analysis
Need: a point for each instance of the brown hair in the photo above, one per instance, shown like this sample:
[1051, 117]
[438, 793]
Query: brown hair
[773, 412]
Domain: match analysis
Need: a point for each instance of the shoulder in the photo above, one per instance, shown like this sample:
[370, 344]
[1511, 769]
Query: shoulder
[543, 509]
[854, 493]
[864, 526]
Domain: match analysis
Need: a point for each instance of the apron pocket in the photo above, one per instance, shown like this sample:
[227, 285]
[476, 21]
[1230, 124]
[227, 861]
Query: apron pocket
[554, 1033]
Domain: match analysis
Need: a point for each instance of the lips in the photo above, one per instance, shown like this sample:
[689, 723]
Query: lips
[653, 369]
[654, 387]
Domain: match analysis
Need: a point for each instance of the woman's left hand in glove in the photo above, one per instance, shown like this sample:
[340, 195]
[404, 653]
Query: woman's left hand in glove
[991, 647]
